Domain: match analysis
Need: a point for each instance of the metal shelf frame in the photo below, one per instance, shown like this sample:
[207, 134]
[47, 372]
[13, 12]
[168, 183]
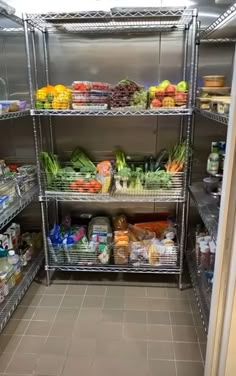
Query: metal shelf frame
[14, 115]
[116, 20]
[218, 23]
[11, 302]
[109, 198]
[207, 208]
[17, 206]
[115, 268]
[223, 119]
[201, 291]
[123, 20]
[148, 112]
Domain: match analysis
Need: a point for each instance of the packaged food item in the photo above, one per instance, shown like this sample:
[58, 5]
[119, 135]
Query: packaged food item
[139, 254]
[100, 237]
[212, 246]
[213, 161]
[204, 255]
[203, 103]
[120, 223]
[121, 247]
[214, 81]
[157, 227]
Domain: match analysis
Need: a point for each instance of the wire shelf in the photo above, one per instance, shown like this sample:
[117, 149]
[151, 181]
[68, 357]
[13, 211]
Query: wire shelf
[136, 254]
[13, 115]
[213, 116]
[150, 189]
[175, 111]
[207, 208]
[201, 289]
[17, 206]
[11, 302]
[224, 18]
[106, 198]
[116, 20]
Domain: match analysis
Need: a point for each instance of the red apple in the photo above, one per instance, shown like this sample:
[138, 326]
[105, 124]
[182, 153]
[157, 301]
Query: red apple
[160, 93]
[156, 103]
[180, 98]
[170, 90]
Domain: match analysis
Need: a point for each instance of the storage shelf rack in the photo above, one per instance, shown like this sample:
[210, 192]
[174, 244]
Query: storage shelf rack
[11, 302]
[213, 116]
[201, 289]
[110, 198]
[123, 21]
[120, 112]
[115, 20]
[14, 115]
[218, 24]
[17, 206]
[207, 207]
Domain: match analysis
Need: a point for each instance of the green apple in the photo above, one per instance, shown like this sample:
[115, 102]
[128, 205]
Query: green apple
[164, 84]
[182, 86]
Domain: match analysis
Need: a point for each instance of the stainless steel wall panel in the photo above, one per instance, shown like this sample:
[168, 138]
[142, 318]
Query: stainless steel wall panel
[104, 59]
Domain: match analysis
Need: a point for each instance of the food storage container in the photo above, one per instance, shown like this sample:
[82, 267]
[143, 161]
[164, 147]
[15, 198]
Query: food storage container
[208, 92]
[22, 105]
[214, 81]
[4, 106]
[210, 184]
[221, 105]
[204, 103]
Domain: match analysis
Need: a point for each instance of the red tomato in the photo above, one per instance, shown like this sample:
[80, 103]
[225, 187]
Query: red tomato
[73, 186]
[93, 183]
[92, 190]
[86, 185]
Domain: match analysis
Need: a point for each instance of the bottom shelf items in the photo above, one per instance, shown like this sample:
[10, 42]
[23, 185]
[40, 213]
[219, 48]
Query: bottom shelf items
[201, 288]
[11, 301]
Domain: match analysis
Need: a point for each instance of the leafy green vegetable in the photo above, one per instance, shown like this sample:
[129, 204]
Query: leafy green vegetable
[80, 160]
[157, 180]
[50, 164]
[120, 160]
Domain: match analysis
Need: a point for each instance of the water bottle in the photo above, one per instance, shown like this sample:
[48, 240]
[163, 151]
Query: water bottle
[14, 260]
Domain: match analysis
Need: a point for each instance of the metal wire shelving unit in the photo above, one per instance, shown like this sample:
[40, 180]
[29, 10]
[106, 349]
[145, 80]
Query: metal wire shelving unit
[11, 302]
[221, 30]
[201, 289]
[120, 112]
[207, 207]
[213, 116]
[121, 20]
[14, 115]
[17, 206]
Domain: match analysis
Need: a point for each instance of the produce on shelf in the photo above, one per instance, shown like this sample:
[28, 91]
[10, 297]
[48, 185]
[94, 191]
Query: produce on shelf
[80, 175]
[167, 94]
[90, 95]
[176, 158]
[81, 161]
[56, 97]
[149, 174]
[128, 93]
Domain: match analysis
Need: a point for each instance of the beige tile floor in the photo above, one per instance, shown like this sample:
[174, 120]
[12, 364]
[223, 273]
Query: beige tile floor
[72, 329]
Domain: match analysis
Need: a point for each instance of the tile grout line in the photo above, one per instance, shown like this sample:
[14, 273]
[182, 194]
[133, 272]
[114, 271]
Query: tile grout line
[66, 356]
[14, 352]
[172, 335]
[199, 346]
